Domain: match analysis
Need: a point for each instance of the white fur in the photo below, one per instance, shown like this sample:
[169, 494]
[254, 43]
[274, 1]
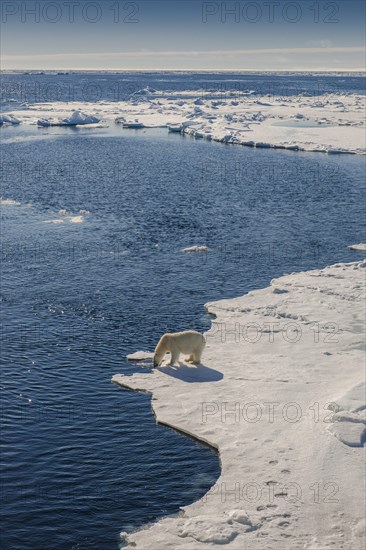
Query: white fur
[189, 342]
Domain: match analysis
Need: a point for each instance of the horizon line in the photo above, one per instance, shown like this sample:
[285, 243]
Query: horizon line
[228, 71]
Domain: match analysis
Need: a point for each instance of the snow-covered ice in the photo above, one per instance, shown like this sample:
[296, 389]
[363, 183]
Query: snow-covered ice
[77, 118]
[76, 219]
[332, 123]
[9, 202]
[8, 119]
[139, 356]
[280, 395]
[69, 217]
[349, 420]
[135, 124]
[359, 246]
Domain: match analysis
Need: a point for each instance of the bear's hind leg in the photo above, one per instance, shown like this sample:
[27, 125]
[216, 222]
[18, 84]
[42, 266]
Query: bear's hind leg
[197, 358]
[198, 353]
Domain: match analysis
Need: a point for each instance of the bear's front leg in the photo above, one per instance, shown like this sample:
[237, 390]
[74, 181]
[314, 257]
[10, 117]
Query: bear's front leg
[173, 358]
[190, 359]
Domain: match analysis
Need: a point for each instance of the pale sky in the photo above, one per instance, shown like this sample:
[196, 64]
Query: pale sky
[183, 35]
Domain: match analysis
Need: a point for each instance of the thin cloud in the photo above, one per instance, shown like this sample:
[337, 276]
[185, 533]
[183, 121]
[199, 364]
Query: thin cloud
[187, 53]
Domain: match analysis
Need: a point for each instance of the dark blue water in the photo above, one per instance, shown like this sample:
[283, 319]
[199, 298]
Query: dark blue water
[34, 88]
[82, 458]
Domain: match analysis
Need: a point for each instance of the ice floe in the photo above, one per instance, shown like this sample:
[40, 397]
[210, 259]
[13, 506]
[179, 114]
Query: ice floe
[132, 124]
[8, 119]
[77, 118]
[76, 219]
[202, 248]
[286, 415]
[139, 356]
[359, 246]
[68, 217]
[9, 202]
[332, 123]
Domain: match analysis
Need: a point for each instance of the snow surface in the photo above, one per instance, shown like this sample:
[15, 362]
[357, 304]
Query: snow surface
[280, 395]
[332, 123]
[349, 420]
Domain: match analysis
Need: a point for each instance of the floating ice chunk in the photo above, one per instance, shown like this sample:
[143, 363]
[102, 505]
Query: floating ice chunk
[9, 119]
[133, 124]
[9, 202]
[359, 246]
[56, 221]
[77, 118]
[43, 122]
[195, 249]
[175, 127]
[139, 356]
[81, 118]
[68, 217]
[76, 219]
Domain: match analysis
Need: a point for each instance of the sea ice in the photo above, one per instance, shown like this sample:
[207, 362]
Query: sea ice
[9, 202]
[334, 125]
[360, 246]
[8, 119]
[139, 356]
[77, 118]
[286, 381]
[76, 219]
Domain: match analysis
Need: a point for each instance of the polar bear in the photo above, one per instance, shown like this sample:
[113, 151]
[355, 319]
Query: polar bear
[188, 342]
